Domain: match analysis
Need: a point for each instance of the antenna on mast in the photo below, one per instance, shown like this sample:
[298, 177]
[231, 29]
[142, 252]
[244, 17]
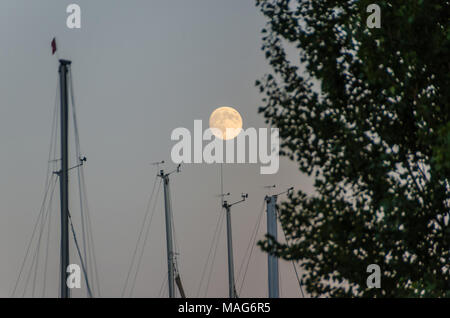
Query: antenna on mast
[158, 163]
[269, 188]
[231, 282]
[223, 195]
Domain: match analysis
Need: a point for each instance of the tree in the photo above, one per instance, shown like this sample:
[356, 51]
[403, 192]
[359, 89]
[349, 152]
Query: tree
[365, 112]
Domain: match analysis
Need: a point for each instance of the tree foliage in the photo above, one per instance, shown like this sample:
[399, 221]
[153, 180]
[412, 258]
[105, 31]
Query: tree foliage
[365, 112]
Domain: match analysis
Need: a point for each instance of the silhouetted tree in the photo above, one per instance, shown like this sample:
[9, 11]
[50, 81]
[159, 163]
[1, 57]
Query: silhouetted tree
[366, 113]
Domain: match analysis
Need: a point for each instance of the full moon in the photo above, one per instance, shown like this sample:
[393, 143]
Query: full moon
[223, 118]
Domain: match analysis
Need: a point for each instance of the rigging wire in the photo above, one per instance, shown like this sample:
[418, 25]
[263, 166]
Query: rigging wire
[215, 251]
[145, 240]
[47, 185]
[147, 211]
[218, 222]
[215, 237]
[90, 238]
[163, 286]
[83, 266]
[86, 224]
[251, 245]
[30, 242]
[38, 246]
[43, 223]
[78, 154]
[293, 263]
[44, 281]
[52, 166]
[33, 262]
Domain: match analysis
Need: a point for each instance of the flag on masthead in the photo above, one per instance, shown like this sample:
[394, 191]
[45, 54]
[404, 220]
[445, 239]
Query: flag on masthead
[53, 46]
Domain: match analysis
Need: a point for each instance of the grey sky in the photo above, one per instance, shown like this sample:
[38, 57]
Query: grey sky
[141, 69]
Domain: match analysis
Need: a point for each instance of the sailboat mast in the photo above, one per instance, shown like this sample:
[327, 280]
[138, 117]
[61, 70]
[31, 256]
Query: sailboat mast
[64, 178]
[169, 238]
[272, 260]
[231, 282]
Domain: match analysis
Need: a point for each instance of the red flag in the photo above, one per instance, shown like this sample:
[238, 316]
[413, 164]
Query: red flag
[53, 46]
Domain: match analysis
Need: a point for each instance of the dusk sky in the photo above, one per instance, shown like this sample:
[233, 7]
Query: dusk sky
[140, 70]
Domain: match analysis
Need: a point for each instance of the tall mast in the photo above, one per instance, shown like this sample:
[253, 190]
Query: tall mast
[231, 282]
[64, 178]
[272, 261]
[169, 238]
[272, 229]
[169, 232]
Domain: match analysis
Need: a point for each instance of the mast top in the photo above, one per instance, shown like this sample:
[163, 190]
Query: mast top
[65, 62]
